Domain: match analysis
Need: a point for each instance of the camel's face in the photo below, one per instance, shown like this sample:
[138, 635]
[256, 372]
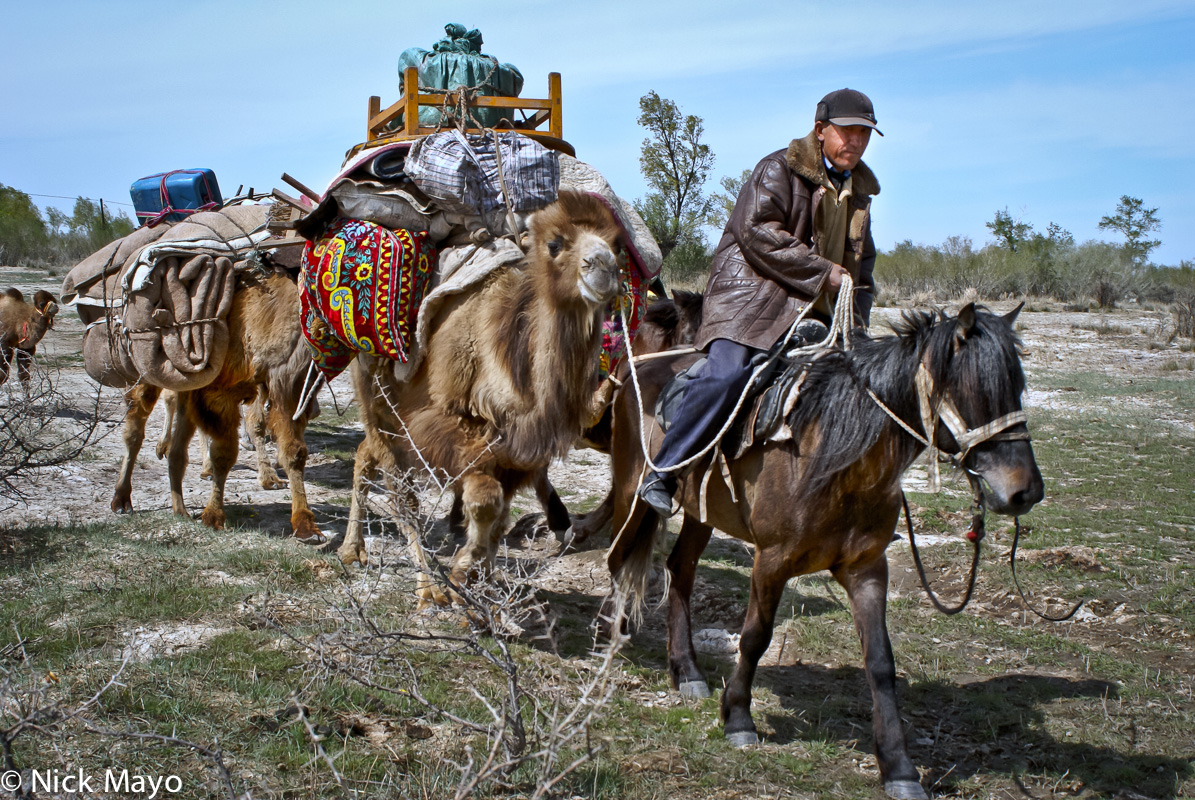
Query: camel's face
[597, 269]
[579, 237]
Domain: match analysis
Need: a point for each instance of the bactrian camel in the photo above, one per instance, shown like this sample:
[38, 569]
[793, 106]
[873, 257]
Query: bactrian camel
[505, 387]
[22, 326]
[266, 348]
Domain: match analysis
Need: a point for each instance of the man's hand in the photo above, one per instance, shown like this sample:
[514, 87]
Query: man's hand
[835, 279]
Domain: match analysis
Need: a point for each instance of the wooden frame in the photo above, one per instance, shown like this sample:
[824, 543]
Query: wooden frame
[408, 105]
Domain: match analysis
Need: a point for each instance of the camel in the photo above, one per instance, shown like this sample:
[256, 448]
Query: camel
[22, 326]
[253, 436]
[505, 387]
[266, 349]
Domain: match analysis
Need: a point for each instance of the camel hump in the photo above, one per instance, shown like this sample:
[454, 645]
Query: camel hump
[14, 293]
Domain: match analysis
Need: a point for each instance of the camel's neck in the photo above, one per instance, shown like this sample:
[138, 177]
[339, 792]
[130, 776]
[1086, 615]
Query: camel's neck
[553, 370]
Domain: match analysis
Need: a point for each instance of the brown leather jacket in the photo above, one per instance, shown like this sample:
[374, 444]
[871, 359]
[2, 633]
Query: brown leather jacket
[766, 267]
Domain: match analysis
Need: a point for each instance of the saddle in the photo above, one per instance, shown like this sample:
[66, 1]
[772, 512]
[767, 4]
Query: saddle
[771, 397]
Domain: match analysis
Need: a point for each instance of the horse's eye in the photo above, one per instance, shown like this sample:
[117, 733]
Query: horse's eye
[554, 247]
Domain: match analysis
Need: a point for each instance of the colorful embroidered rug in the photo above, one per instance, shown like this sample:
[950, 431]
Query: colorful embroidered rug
[362, 286]
[633, 302]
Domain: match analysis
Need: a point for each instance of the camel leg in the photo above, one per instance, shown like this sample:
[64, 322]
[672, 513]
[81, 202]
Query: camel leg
[206, 470]
[24, 364]
[867, 588]
[292, 452]
[404, 504]
[222, 419]
[141, 399]
[176, 453]
[456, 514]
[682, 564]
[767, 585]
[255, 419]
[485, 502]
[170, 399]
[352, 549]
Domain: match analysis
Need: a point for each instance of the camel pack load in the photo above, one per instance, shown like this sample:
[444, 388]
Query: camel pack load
[434, 201]
[438, 198]
[156, 302]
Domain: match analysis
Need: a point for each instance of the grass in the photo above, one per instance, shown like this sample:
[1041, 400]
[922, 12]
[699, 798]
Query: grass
[997, 704]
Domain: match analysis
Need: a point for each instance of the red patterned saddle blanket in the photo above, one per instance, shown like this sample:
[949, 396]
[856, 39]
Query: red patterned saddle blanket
[361, 290]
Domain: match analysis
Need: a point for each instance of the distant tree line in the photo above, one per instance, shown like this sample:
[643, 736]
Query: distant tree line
[1021, 261]
[55, 239]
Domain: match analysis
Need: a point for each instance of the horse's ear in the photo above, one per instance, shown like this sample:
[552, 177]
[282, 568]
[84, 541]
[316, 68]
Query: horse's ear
[1011, 316]
[965, 322]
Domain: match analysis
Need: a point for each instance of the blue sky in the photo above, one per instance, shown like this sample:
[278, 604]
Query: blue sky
[1053, 109]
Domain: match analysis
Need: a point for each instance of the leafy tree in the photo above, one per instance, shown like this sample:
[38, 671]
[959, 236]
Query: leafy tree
[722, 203]
[1135, 222]
[676, 166]
[58, 238]
[22, 230]
[1009, 232]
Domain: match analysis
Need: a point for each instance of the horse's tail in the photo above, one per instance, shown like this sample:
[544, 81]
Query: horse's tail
[634, 548]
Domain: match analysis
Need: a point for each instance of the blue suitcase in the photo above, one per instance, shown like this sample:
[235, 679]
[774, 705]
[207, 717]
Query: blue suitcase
[173, 196]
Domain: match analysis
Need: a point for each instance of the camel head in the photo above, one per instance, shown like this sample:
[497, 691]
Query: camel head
[573, 242]
[46, 307]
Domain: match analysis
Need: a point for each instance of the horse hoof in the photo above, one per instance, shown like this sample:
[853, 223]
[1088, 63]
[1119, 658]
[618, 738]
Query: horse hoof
[695, 690]
[905, 790]
[743, 738]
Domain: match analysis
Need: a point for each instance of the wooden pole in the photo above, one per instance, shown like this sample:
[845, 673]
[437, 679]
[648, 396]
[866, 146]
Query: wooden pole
[556, 121]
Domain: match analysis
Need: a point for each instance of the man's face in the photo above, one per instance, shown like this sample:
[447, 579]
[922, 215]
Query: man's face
[843, 145]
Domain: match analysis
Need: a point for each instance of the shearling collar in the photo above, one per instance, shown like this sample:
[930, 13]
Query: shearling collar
[804, 157]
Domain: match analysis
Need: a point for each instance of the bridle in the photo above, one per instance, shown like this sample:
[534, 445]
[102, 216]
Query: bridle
[945, 411]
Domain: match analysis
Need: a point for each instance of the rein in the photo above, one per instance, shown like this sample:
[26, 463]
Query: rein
[975, 535]
[1012, 565]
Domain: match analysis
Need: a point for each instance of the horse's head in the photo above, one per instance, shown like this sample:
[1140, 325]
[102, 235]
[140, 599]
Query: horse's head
[573, 242]
[974, 362]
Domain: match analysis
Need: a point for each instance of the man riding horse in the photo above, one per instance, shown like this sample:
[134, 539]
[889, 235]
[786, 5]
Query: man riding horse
[800, 224]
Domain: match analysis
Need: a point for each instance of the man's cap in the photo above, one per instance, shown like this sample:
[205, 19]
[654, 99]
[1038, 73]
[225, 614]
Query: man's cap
[847, 107]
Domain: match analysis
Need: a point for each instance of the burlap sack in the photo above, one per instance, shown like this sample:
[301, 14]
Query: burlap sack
[156, 301]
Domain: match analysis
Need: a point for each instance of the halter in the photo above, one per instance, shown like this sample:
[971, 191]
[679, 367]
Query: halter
[944, 410]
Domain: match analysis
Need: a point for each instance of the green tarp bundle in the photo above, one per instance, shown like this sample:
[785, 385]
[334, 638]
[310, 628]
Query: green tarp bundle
[456, 61]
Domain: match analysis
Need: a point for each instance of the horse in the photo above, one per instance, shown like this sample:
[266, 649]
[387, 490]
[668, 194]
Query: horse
[829, 497]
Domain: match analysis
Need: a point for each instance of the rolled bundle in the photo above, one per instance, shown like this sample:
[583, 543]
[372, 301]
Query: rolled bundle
[177, 332]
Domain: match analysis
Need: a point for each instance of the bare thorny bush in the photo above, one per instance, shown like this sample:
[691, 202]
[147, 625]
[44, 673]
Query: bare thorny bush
[523, 719]
[528, 727]
[42, 426]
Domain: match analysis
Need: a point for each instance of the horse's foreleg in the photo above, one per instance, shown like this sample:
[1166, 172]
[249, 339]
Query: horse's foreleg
[867, 588]
[292, 452]
[682, 564]
[767, 585]
[141, 399]
[554, 509]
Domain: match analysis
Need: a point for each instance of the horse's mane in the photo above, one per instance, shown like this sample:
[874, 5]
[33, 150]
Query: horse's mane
[849, 423]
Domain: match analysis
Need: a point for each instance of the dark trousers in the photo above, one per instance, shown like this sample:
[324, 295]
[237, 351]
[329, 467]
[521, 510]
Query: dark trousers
[709, 398]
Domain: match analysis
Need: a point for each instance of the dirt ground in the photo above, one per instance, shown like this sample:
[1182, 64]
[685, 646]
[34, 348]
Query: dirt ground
[1115, 348]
